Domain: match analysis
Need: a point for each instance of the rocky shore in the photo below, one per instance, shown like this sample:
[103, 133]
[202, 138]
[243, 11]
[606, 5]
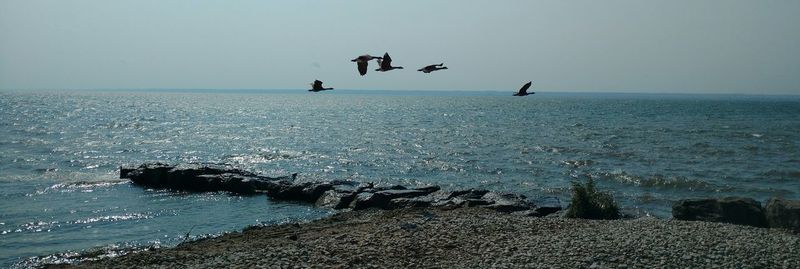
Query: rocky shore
[426, 227]
[477, 238]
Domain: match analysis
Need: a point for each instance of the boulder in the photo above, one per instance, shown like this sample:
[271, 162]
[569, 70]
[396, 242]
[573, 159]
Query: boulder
[198, 177]
[381, 199]
[507, 202]
[735, 210]
[422, 201]
[335, 199]
[341, 194]
[546, 206]
[303, 191]
[782, 213]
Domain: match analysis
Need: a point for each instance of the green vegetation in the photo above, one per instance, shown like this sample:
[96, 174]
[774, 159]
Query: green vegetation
[588, 203]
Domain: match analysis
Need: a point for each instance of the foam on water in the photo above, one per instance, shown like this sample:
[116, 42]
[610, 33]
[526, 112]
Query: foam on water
[59, 153]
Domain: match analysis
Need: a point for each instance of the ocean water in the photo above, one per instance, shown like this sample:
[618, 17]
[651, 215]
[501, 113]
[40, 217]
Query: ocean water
[60, 153]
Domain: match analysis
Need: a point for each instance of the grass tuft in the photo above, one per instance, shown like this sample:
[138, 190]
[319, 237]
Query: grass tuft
[588, 203]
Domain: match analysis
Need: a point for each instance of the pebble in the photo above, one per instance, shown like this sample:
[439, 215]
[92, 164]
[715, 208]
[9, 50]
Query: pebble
[479, 238]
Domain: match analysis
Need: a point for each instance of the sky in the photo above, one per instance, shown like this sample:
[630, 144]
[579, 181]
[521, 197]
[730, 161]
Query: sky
[679, 46]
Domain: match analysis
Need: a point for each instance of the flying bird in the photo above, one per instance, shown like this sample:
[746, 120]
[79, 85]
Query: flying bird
[432, 68]
[317, 86]
[524, 90]
[385, 64]
[362, 62]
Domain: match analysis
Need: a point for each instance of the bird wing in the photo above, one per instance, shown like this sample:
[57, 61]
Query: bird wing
[362, 68]
[525, 87]
[387, 61]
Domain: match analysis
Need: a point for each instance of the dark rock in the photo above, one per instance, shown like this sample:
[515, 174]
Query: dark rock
[547, 205]
[304, 191]
[336, 199]
[468, 194]
[782, 213]
[125, 170]
[544, 206]
[735, 210]
[225, 182]
[422, 201]
[507, 202]
[744, 211]
[198, 177]
[380, 199]
[342, 194]
[366, 200]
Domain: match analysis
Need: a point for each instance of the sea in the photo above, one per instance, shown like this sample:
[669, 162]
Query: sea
[60, 153]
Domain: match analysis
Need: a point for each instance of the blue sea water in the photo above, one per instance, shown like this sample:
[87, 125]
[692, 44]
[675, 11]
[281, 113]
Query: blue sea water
[60, 153]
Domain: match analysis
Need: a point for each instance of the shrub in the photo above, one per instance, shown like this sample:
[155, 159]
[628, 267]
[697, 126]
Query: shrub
[588, 203]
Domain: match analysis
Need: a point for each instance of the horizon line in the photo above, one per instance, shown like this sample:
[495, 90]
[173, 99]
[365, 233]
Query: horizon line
[412, 90]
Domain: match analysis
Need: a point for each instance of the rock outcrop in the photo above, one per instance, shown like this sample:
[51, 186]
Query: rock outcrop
[735, 210]
[199, 177]
[782, 213]
[337, 194]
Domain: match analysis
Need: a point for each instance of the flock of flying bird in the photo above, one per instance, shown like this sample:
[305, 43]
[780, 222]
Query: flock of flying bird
[385, 64]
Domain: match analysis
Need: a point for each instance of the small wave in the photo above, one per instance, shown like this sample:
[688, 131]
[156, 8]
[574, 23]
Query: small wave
[88, 255]
[81, 185]
[657, 181]
[266, 155]
[578, 163]
[781, 174]
[130, 216]
[34, 227]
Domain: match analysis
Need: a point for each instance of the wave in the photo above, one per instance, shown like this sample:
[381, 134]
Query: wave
[657, 181]
[83, 186]
[266, 155]
[781, 174]
[578, 163]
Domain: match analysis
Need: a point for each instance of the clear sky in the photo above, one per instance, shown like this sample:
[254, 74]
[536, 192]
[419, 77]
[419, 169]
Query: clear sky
[724, 46]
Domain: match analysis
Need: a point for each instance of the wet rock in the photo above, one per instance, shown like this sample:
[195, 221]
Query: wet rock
[342, 194]
[197, 177]
[547, 205]
[735, 210]
[469, 194]
[507, 202]
[305, 191]
[422, 201]
[335, 199]
[782, 213]
[381, 199]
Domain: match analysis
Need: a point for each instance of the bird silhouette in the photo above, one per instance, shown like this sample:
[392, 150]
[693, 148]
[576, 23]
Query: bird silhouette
[385, 64]
[524, 90]
[433, 67]
[317, 86]
[362, 62]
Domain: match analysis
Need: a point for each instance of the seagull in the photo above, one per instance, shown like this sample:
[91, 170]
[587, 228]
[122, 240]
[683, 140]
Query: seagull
[386, 63]
[524, 90]
[317, 86]
[362, 62]
[432, 68]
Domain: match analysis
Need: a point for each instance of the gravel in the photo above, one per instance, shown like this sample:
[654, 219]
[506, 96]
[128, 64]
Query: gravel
[477, 238]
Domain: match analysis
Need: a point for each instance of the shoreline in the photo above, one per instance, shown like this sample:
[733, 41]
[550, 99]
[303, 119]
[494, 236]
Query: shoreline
[476, 238]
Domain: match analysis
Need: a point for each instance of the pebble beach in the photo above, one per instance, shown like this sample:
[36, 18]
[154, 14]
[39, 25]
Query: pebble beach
[476, 238]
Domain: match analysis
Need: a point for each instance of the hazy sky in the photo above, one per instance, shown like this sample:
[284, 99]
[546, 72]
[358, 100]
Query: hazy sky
[725, 46]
